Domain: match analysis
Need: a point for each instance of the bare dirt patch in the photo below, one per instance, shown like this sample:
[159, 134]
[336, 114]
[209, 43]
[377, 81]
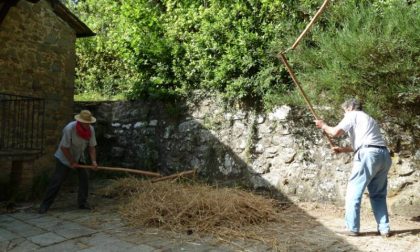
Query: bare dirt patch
[405, 232]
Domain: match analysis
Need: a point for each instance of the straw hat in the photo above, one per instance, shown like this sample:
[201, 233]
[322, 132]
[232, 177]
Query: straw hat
[85, 117]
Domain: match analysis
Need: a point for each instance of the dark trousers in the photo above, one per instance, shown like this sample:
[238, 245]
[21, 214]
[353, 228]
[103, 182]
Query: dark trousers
[57, 180]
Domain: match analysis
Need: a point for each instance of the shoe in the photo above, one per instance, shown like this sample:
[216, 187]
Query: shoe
[350, 233]
[85, 206]
[42, 209]
[385, 234]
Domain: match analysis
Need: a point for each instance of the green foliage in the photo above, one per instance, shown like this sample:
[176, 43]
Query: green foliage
[98, 96]
[369, 51]
[166, 48]
[102, 66]
[225, 47]
[143, 48]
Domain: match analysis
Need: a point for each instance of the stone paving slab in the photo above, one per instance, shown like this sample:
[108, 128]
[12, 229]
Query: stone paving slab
[46, 239]
[190, 247]
[21, 245]
[98, 238]
[5, 218]
[71, 230]
[70, 215]
[86, 231]
[66, 246]
[21, 228]
[142, 248]
[24, 216]
[46, 222]
[105, 242]
[6, 235]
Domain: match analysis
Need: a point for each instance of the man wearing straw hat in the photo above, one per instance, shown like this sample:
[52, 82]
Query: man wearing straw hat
[371, 164]
[78, 136]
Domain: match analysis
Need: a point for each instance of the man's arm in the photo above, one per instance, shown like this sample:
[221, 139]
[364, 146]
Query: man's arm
[69, 156]
[92, 154]
[332, 131]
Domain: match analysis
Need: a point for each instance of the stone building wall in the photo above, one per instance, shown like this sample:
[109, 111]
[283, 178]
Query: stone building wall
[280, 151]
[37, 59]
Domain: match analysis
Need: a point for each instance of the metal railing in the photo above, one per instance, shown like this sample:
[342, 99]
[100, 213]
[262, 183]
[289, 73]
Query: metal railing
[21, 125]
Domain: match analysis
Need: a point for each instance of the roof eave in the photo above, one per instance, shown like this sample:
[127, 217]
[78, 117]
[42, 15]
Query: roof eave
[81, 29]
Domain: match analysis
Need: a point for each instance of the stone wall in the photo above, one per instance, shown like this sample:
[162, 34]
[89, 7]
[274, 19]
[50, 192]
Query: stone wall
[37, 58]
[280, 150]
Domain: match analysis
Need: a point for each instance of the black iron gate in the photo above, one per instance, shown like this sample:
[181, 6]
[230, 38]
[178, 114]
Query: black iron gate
[21, 125]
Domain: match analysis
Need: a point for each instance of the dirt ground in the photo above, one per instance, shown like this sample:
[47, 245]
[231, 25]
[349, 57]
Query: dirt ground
[405, 232]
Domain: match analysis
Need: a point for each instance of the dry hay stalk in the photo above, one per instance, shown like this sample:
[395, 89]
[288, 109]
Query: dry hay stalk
[121, 187]
[226, 213]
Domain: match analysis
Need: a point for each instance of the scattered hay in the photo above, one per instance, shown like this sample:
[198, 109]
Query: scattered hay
[121, 187]
[226, 213]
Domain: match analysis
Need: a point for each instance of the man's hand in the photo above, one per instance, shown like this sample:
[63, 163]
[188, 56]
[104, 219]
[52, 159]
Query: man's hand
[95, 165]
[332, 131]
[337, 149]
[319, 123]
[74, 165]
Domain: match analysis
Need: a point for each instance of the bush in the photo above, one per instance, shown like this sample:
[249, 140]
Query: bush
[365, 50]
[169, 48]
[165, 49]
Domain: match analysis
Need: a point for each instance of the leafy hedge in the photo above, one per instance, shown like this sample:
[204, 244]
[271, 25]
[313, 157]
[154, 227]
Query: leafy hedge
[369, 51]
[168, 48]
[160, 48]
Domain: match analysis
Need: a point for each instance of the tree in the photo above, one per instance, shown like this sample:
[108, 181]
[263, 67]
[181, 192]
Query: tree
[369, 50]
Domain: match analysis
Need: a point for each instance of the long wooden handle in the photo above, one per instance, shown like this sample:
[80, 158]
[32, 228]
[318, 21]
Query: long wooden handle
[292, 74]
[119, 169]
[177, 175]
[318, 13]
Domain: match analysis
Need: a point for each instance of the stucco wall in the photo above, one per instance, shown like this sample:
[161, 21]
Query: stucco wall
[37, 58]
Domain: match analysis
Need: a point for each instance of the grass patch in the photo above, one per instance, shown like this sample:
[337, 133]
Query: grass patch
[95, 96]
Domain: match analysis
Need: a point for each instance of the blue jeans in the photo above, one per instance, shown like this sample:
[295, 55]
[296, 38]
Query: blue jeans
[370, 169]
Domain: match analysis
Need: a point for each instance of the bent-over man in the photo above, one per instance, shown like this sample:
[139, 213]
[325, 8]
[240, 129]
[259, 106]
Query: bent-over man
[371, 164]
[78, 136]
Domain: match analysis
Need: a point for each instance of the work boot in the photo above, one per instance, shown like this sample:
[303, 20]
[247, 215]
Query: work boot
[385, 234]
[85, 206]
[350, 233]
[43, 209]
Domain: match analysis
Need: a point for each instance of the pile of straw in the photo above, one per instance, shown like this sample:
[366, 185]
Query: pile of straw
[121, 188]
[193, 208]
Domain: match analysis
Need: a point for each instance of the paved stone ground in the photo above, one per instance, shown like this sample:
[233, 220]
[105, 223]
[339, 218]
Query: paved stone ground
[76, 230]
[82, 230]
[67, 228]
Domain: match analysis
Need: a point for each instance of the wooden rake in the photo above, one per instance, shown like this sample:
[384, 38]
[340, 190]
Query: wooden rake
[158, 176]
